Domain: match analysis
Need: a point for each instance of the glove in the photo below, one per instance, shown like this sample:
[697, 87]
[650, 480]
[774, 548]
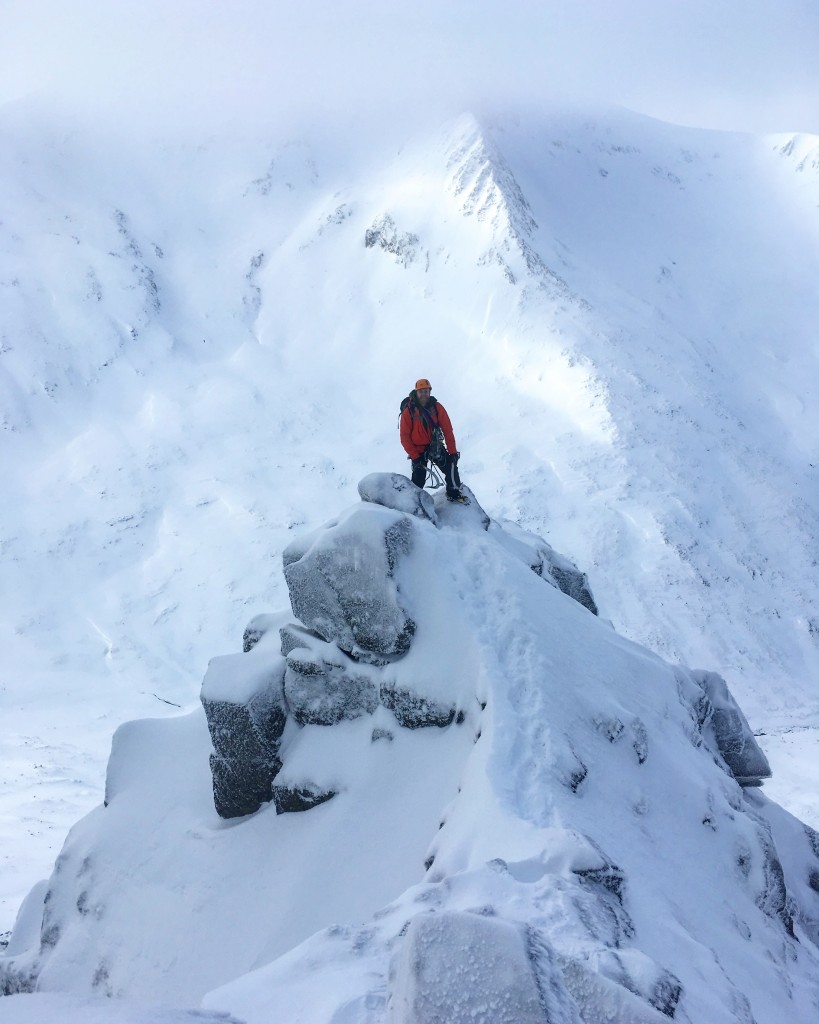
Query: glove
[454, 456]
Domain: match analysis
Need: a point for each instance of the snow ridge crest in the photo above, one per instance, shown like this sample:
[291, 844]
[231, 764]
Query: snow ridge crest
[485, 187]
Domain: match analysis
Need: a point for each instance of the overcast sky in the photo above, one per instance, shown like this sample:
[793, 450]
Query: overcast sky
[747, 65]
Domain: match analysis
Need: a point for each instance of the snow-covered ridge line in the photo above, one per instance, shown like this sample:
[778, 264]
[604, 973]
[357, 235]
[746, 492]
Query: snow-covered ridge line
[536, 841]
[486, 188]
[802, 149]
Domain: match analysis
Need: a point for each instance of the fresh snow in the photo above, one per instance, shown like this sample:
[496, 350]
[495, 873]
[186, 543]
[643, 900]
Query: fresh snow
[201, 358]
[573, 794]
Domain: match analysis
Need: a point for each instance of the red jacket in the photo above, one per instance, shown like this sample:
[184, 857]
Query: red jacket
[416, 429]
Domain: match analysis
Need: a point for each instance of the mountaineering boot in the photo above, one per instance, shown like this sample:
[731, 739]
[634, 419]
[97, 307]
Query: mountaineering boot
[457, 496]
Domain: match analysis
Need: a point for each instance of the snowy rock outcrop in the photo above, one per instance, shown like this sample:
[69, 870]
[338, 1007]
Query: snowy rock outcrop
[726, 729]
[548, 563]
[393, 490]
[342, 581]
[243, 698]
[513, 813]
[323, 685]
[460, 968]
[339, 662]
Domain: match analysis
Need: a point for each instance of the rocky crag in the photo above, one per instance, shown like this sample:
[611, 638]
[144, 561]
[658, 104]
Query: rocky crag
[507, 811]
[337, 661]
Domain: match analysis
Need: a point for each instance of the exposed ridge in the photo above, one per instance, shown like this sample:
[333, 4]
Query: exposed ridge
[485, 187]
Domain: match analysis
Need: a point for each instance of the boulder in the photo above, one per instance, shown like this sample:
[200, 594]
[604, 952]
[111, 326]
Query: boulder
[598, 998]
[726, 731]
[413, 711]
[392, 490]
[461, 968]
[322, 688]
[292, 799]
[240, 787]
[342, 581]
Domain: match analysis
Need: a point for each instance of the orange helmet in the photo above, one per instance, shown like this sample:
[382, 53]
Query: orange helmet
[422, 383]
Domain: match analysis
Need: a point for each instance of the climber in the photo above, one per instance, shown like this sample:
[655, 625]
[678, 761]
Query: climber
[426, 435]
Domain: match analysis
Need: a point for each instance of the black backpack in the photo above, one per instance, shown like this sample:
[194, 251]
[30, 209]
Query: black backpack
[411, 399]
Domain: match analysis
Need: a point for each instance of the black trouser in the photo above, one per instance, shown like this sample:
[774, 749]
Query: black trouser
[448, 465]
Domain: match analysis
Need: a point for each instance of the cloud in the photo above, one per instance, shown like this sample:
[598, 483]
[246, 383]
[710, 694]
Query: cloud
[737, 64]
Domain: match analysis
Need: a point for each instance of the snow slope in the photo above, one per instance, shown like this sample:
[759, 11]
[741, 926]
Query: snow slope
[199, 350]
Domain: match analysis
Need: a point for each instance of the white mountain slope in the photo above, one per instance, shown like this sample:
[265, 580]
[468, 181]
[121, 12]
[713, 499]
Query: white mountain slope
[641, 393]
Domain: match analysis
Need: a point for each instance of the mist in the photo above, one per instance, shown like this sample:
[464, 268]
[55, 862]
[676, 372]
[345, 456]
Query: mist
[738, 65]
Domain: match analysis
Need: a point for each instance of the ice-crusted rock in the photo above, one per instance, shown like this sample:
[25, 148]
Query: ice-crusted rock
[639, 974]
[515, 919]
[414, 711]
[453, 513]
[342, 582]
[599, 998]
[727, 732]
[570, 580]
[392, 490]
[460, 968]
[243, 698]
[759, 862]
[790, 887]
[322, 687]
[291, 799]
[256, 629]
[549, 564]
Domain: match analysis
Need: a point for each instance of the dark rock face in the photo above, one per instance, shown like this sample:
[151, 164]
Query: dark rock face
[342, 583]
[413, 711]
[289, 800]
[726, 730]
[245, 731]
[241, 787]
[608, 877]
[392, 490]
[574, 583]
[15, 981]
[320, 692]
[248, 732]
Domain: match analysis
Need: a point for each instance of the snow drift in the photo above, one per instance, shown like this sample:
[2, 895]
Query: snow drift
[575, 834]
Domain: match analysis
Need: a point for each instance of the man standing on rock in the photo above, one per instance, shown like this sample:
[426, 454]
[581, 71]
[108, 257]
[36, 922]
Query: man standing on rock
[426, 435]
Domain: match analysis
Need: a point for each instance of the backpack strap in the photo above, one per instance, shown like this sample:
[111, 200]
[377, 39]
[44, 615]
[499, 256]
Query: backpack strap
[421, 413]
[425, 414]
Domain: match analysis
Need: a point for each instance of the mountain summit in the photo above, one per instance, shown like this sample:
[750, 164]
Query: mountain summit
[481, 803]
